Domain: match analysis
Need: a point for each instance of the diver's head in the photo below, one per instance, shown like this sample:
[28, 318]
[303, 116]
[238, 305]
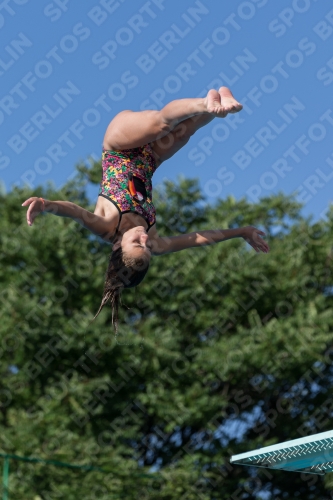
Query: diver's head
[135, 244]
[128, 265]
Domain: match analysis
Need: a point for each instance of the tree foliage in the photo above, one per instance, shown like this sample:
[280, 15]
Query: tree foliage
[220, 351]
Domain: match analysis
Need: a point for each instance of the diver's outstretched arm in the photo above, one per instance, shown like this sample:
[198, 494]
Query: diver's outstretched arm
[252, 235]
[96, 224]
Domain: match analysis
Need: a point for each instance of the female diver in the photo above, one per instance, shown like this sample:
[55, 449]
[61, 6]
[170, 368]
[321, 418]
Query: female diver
[135, 144]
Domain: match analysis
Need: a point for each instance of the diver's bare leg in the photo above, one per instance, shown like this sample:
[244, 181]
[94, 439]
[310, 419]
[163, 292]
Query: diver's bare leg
[133, 129]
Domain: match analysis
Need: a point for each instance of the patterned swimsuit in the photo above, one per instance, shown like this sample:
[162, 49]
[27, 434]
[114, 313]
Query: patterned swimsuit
[119, 167]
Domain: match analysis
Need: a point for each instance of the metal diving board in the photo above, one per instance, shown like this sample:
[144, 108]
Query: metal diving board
[310, 455]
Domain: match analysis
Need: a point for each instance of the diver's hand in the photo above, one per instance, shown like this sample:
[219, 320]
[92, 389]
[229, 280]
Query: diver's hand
[36, 207]
[253, 236]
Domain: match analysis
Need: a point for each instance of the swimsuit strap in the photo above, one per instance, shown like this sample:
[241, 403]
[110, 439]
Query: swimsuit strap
[120, 216]
[117, 228]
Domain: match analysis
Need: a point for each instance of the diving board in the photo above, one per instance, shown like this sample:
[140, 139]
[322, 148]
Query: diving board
[310, 455]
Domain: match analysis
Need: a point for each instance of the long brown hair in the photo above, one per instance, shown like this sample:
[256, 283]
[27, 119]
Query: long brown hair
[123, 272]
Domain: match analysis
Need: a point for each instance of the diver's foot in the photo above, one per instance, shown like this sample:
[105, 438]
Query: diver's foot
[222, 102]
[228, 102]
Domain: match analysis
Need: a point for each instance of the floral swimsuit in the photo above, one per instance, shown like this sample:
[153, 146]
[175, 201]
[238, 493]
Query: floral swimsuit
[126, 181]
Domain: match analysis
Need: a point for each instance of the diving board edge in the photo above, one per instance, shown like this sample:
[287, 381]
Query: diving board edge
[310, 454]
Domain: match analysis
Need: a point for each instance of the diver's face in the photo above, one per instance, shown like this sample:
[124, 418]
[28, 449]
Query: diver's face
[135, 243]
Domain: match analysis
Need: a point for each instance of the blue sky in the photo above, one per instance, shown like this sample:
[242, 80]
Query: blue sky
[67, 68]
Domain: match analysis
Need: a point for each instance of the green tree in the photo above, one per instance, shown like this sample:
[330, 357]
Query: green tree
[224, 351]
